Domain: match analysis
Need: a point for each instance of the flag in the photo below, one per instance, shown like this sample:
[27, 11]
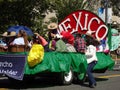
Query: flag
[109, 36]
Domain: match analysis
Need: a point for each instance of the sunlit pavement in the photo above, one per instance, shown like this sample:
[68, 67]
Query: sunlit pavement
[4, 89]
[117, 65]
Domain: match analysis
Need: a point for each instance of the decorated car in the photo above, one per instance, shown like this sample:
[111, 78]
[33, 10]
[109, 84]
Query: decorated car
[69, 65]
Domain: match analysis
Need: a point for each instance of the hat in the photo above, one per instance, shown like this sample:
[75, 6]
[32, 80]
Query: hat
[97, 42]
[89, 33]
[52, 26]
[114, 23]
[5, 34]
[98, 39]
[9, 34]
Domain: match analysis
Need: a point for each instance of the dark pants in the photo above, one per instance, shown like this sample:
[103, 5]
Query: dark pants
[89, 72]
[46, 48]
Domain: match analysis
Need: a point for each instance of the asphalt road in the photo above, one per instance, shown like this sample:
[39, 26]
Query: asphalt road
[109, 80]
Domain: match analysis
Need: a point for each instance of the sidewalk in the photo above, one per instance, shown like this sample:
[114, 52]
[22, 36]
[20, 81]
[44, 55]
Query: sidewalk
[117, 65]
[116, 58]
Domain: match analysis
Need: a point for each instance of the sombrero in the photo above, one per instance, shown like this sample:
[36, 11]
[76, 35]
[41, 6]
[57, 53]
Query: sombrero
[114, 24]
[9, 34]
[89, 33]
[52, 26]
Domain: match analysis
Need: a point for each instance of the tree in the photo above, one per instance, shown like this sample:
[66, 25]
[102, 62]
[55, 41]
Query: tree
[115, 4]
[63, 8]
[22, 12]
[32, 12]
[13, 12]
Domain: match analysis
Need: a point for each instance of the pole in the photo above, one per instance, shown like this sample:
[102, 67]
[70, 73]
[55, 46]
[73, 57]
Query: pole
[106, 12]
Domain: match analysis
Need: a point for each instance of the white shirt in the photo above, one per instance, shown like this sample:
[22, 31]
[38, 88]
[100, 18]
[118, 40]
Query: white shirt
[91, 50]
[19, 41]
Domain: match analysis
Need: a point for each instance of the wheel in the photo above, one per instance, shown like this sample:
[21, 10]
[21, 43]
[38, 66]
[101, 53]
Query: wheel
[79, 78]
[67, 78]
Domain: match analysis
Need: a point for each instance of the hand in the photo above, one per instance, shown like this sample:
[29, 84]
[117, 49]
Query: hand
[36, 34]
[5, 47]
[53, 35]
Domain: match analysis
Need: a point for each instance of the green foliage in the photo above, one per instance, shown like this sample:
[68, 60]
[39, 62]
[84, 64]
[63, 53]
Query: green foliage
[13, 12]
[116, 7]
[32, 12]
[65, 7]
[22, 12]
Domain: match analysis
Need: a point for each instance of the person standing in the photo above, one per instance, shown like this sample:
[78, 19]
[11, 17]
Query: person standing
[91, 57]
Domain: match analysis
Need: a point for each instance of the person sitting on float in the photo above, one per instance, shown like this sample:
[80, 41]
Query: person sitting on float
[42, 41]
[21, 39]
[52, 35]
[55, 40]
[68, 36]
[3, 44]
[60, 45]
[8, 38]
[36, 53]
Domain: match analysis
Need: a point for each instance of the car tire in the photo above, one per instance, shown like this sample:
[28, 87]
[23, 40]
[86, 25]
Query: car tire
[77, 80]
[66, 78]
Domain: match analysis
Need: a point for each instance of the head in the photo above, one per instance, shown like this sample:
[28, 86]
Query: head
[96, 42]
[89, 40]
[114, 24]
[21, 33]
[92, 41]
[52, 27]
[78, 35]
[9, 36]
[36, 39]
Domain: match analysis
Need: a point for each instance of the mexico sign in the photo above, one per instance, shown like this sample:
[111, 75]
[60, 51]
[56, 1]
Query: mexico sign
[83, 21]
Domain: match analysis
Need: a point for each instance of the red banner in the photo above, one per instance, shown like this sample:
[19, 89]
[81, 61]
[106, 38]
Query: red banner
[83, 21]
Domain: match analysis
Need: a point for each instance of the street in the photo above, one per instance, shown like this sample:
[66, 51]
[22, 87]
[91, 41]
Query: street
[105, 81]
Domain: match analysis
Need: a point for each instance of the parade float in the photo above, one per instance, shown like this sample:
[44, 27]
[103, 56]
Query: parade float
[68, 64]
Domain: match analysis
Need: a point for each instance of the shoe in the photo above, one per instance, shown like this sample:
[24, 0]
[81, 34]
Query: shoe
[93, 85]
